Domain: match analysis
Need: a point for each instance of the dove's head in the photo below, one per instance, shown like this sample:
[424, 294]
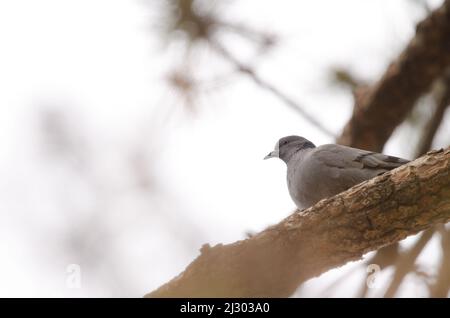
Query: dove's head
[286, 147]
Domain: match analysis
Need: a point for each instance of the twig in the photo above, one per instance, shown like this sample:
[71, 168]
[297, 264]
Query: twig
[262, 38]
[288, 101]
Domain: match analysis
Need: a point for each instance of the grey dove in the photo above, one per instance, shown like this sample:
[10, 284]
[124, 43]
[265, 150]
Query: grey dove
[315, 173]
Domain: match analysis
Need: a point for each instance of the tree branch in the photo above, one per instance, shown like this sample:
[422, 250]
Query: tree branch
[336, 230]
[382, 107]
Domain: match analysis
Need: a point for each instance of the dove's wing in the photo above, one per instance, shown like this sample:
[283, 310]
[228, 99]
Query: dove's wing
[330, 169]
[379, 161]
[344, 167]
[342, 157]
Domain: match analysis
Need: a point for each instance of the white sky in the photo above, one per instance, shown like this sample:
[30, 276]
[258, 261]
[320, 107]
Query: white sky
[100, 61]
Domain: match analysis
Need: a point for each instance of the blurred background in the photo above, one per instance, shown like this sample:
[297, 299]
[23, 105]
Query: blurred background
[133, 132]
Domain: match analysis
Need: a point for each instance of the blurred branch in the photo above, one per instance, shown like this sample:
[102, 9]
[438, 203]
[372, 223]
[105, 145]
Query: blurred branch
[442, 102]
[441, 286]
[389, 255]
[383, 106]
[184, 16]
[384, 257]
[406, 262]
[265, 40]
[288, 101]
[337, 230]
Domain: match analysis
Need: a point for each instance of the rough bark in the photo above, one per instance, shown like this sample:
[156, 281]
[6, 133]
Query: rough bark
[336, 230]
[379, 109]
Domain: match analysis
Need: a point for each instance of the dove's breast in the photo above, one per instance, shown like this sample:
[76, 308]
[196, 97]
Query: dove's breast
[310, 181]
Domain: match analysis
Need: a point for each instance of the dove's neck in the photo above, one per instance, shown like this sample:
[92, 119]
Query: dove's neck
[296, 154]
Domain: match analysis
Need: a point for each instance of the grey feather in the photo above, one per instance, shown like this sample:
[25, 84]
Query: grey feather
[315, 173]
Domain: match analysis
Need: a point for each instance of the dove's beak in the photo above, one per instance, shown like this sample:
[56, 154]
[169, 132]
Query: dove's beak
[273, 154]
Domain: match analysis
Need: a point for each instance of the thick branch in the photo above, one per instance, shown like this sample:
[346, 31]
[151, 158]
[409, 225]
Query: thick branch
[381, 108]
[333, 232]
